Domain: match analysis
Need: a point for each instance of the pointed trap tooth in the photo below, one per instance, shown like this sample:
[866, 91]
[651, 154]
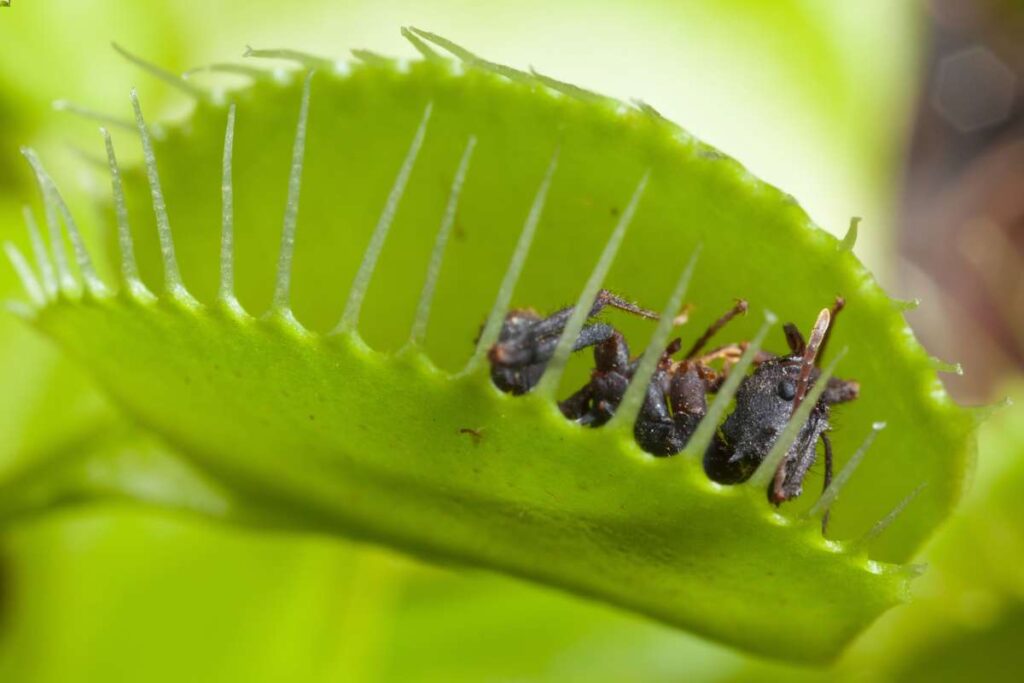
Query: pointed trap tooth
[768, 468]
[25, 273]
[629, 407]
[573, 91]
[831, 493]
[92, 115]
[552, 377]
[470, 59]
[904, 305]
[129, 267]
[43, 263]
[371, 57]
[173, 283]
[357, 293]
[252, 72]
[306, 59]
[54, 199]
[226, 288]
[425, 50]
[496, 317]
[981, 414]
[282, 289]
[419, 325]
[850, 239]
[705, 432]
[65, 280]
[947, 367]
[887, 521]
[164, 75]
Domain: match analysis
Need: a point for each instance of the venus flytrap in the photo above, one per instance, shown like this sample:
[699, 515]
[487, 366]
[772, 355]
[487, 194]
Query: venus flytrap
[351, 429]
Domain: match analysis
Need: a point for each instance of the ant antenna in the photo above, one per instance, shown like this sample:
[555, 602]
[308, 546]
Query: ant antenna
[739, 308]
[839, 304]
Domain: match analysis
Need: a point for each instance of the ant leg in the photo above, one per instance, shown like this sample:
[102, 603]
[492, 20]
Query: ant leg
[595, 402]
[828, 477]
[612, 353]
[655, 431]
[730, 352]
[739, 308]
[555, 323]
[839, 304]
[575, 407]
[530, 348]
[607, 298]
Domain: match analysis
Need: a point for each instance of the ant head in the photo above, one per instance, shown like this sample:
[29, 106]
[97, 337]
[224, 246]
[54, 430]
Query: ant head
[764, 403]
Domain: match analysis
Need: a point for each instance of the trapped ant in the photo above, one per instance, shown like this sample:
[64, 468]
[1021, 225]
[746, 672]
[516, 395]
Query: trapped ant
[765, 402]
[676, 398]
[527, 341]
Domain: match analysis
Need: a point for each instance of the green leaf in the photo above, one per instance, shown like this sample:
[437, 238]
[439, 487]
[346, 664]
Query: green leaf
[352, 430]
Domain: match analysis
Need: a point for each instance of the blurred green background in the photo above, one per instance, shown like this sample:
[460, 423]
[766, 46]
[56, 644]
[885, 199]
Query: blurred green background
[846, 106]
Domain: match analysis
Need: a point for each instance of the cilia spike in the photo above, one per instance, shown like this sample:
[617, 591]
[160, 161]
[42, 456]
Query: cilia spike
[496, 322]
[419, 327]
[53, 198]
[129, 268]
[353, 307]
[552, 373]
[164, 75]
[282, 287]
[43, 262]
[643, 376]
[65, 280]
[226, 289]
[33, 289]
[173, 283]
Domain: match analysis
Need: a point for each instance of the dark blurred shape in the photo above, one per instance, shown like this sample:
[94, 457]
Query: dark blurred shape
[974, 89]
[962, 214]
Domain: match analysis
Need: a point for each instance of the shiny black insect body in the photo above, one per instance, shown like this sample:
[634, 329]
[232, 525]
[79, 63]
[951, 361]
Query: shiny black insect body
[676, 398]
[527, 341]
[765, 402]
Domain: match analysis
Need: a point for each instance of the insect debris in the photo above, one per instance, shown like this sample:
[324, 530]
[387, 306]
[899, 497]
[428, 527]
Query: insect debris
[676, 397]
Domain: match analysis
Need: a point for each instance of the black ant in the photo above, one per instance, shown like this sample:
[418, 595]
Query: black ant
[764, 403]
[676, 398]
[527, 341]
